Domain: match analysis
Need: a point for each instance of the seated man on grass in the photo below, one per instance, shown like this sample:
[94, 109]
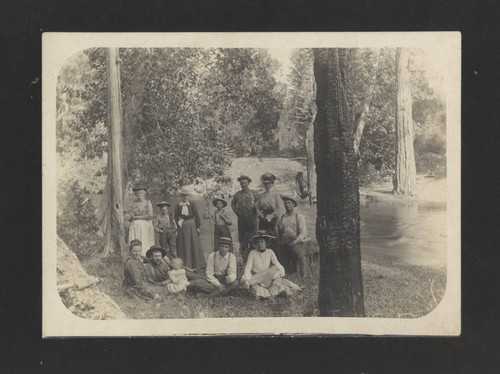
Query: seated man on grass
[220, 272]
[159, 265]
[137, 282]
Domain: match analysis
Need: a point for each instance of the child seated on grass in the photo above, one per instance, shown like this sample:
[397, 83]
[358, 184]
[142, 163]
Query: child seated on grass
[178, 277]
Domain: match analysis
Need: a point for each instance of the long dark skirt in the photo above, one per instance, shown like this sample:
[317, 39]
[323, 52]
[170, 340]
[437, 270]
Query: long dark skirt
[190, 250]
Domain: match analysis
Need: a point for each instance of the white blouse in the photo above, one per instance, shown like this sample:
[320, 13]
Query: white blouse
[261, 261]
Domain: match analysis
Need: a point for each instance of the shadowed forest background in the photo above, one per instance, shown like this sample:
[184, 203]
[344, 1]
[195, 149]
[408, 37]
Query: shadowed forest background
[190, 115]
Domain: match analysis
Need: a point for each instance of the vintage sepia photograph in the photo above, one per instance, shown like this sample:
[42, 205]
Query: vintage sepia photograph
[251, 184]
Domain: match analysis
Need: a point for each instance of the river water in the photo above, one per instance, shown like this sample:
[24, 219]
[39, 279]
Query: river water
[392, 231]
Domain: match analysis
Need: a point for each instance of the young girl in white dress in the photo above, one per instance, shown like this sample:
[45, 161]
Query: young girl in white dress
[178, 277]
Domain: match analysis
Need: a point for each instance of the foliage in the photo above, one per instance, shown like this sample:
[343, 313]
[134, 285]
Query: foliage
[298, 111]
[76, 220]
[374, 79]
[187, 111]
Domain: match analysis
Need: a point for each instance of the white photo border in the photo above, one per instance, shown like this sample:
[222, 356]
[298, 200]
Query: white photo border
[58, 321]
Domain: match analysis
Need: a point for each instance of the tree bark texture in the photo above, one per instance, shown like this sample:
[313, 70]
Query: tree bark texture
[310, 166]
[311, 171]
[360, 124]
[338, 222]
[404, 180]
[114, 216]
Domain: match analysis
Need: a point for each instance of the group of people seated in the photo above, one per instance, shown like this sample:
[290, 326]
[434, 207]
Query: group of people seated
[271, 236]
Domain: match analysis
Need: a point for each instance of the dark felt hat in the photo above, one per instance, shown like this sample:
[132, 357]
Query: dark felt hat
[242, 177]
[289, 198]
[155, 248]
[163, 203]
[262, 234]
[268, 178]
[139, 187]
[217, 199]
[224, 240]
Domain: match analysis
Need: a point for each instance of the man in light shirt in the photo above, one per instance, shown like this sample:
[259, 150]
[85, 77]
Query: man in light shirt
[220, 271]
[292, 238]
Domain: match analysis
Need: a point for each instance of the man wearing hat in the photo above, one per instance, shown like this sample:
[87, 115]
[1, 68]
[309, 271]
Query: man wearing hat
[220, 271]
[244, 206]
[292, 231]
[159, 265]
[166, 228]
[138, 282]
[221, 220]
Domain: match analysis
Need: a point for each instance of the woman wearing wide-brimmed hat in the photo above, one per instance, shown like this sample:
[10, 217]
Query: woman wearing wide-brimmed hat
[263, 273]
[141, 215]
[166, 228]
[269, 207]
[188, 226]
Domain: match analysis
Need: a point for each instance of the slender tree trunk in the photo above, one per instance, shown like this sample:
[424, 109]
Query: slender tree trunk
[404, 180]
[310, 166]
[338, 223]
[360, 124]
[114, 216]
[361, 121]
[311, 171]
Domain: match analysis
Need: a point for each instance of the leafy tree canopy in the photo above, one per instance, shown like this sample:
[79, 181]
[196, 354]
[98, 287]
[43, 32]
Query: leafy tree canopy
[187, 111]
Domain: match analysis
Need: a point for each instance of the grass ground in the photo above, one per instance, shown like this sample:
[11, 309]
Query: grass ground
[391, 291]
[398, 291]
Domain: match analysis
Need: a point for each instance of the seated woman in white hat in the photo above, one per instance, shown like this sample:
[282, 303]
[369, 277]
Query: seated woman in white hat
[263, 273]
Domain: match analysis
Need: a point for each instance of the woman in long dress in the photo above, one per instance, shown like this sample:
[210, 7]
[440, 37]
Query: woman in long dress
[263, 273]
[269, 208]
[188, 225]
[141, 215]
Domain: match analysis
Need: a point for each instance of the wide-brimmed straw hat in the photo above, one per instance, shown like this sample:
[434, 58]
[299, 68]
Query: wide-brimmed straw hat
[268, 178]
[217, 199]
[262, 234]
[163, 203]
[289, 198]
[224, 240]
[139, 187]
[155, 248]
[185, 191]
[242, 177]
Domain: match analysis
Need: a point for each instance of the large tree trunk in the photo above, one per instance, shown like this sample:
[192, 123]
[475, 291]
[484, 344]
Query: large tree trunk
[338, 223]
[404, 180]
[114, 190]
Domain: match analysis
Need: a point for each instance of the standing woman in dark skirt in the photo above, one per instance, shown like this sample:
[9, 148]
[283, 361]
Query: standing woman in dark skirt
[188, 224]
